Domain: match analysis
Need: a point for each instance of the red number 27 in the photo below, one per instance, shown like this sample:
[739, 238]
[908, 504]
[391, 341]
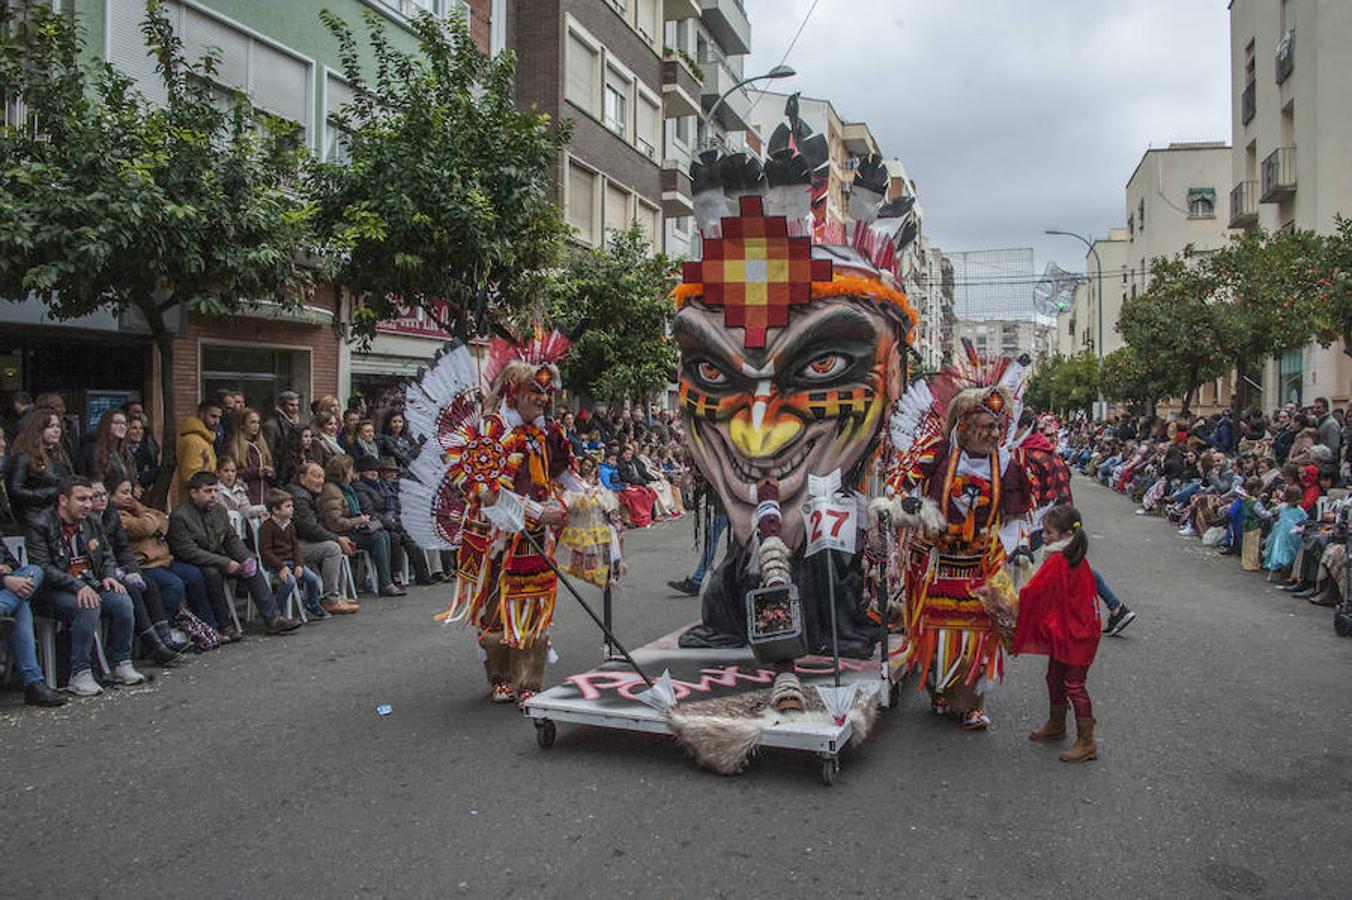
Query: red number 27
[839, 516]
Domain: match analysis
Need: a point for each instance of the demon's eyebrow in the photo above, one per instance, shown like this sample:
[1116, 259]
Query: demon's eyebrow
[697, 333]
[838, 325]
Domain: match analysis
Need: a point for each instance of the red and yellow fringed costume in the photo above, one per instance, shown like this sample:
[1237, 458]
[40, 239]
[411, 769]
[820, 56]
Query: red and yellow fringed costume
[966, 487]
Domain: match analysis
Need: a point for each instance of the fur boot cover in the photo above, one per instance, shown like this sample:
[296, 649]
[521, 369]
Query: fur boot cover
[723, 732]
[929, 520]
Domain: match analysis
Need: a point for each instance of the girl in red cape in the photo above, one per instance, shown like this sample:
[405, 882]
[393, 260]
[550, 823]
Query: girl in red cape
[1058, 617]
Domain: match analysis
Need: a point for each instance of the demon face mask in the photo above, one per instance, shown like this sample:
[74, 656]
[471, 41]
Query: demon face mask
[786, 369]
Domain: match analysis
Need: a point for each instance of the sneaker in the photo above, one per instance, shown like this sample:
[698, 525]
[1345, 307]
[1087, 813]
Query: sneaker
[1142, 511]
[82, 684]
[230, 634]
[1187, 531]
[1118, 621]
[317, 613]
[976, 720]
[38, 694]
[126, 674]
[685, 586]
[281, 625]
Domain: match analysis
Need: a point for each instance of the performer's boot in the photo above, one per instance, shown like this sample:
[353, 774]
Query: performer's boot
[1054, 728]
[528, 669]
[497, 667]
[1084, 748]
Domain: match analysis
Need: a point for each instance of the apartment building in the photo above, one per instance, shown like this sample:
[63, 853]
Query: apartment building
[930, 291]
[993, 338]
[706, 46]
[1291, 163]
[598, 63]
[283, 58]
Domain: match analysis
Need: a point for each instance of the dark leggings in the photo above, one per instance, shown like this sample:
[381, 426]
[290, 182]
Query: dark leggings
[1066, 683]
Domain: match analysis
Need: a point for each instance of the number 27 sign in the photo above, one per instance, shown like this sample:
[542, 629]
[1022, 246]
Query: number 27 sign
[830, 524]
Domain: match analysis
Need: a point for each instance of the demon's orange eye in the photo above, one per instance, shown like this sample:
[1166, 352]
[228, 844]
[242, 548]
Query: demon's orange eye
[711, 374]
[828, 365]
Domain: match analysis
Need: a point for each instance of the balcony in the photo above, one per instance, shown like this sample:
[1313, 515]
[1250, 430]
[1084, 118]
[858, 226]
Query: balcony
[1286, 55]
[859, 141]
[1244, 205]
[735, 111]
[1248, 104]
[727, 22]
[1278, 173]
[677, 192]
[676, 10]
[680, 90]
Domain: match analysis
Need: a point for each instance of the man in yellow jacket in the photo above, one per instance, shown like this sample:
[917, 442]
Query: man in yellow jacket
[196, 448]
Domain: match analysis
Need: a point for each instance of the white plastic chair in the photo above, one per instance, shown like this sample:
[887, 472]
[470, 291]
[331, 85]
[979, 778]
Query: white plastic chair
[237, 522]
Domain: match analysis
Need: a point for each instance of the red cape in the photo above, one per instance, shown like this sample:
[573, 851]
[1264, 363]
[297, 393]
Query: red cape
[1058, 613]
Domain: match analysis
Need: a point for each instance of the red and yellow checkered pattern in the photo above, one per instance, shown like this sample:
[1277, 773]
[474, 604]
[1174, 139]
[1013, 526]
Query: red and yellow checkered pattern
[756, 271]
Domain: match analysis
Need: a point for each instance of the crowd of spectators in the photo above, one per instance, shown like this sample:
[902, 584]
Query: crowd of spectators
[1270, 490]
[273, 509]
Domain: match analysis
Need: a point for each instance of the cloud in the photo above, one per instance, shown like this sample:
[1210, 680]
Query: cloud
[1013, 116]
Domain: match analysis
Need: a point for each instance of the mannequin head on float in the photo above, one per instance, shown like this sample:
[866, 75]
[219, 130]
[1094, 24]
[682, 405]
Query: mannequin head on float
[528, 388]
[809, 399]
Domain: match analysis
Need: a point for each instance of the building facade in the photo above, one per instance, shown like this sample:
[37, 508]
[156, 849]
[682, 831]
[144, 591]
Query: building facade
[1291, 163]
[993, 338]
[1077, 328]
[287, 63]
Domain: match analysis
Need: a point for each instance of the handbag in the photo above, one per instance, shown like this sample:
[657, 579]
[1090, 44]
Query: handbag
[202, 635]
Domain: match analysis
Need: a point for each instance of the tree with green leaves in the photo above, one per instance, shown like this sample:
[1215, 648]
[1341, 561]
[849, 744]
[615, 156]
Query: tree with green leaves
[1131, 377]
[1065, 384]
[1264, 301]
[1174, 325]
[616, 299]
[1331, 287]
[111, 203]
[444, 200]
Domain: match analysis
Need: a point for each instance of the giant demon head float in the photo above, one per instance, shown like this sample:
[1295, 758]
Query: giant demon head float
[791, 349]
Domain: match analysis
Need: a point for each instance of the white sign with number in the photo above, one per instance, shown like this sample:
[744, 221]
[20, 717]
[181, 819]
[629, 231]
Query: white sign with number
[831, 523]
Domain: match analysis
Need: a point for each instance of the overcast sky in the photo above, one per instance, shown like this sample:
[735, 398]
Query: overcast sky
[1012, 116]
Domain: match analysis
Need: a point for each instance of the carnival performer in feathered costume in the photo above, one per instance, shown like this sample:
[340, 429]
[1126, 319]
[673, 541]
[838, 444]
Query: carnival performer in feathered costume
[490, 484]
[959, 495]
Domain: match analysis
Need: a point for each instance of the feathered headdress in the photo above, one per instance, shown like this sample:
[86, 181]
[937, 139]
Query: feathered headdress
[767, 245]
[542, 349]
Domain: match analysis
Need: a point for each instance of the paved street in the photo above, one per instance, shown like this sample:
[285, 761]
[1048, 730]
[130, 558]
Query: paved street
[263, 769]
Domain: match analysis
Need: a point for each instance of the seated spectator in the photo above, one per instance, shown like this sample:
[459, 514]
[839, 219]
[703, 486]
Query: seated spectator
[253, 458]
[196, 447]
[9, 522]
[297, 449]
[347, 431]
[441, 565]
[147, 529]
[148, 607]
[279, 548]
[284, 420]
[135, 409]
[108, 455]
[320, 547]
[395, 441]
[363, 442]
[36, 465]
[637, 499]
[1288, 521]
[17, 586]
[234, 496]
[79, 586]
[340, 512]
[668, 498]
[327, 404]
[145, 455]
[200, 534]
[378, 503]
[326, 445]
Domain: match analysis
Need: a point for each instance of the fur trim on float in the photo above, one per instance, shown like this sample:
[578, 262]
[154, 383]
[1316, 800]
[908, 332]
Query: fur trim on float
[723, 733]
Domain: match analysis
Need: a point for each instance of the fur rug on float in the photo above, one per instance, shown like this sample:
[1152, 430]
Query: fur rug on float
[723, 733]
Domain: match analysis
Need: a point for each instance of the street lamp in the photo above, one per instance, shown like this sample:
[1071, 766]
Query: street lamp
[1102, 410]
[776, 72]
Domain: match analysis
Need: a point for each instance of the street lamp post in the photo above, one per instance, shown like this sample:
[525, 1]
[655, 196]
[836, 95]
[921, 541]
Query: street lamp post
[1101, 412]
[776, 72]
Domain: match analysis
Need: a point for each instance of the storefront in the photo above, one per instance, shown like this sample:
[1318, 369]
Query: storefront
[400, 347]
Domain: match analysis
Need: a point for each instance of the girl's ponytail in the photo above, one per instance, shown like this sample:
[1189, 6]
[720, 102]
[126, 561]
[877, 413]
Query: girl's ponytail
[1066, 519]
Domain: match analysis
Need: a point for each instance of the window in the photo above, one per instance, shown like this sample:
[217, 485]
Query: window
[616, 104]
[1141, 214]
[683, 129]
[650, 220]
[1131, 226]
[617, 213]
[261, 373]
[645, 18]
[337, 142]
[1201, 203]
[582, 201]
[648, 127]
[584, 67]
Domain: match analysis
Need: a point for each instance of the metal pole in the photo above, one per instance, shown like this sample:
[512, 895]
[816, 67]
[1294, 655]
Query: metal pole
[831, 597]
[776, 72]
[1102, 411]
